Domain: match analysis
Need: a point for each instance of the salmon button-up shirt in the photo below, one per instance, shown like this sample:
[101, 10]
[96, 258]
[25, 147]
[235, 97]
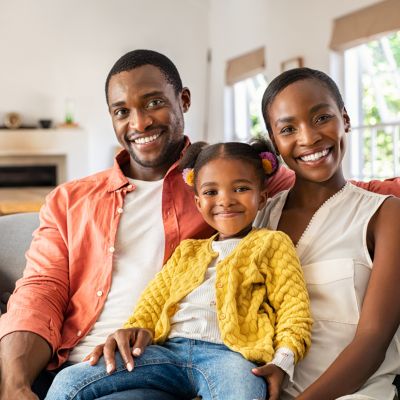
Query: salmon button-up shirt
[70, 261]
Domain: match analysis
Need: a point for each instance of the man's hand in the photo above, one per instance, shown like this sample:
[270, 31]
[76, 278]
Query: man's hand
[274, 377]
[122, 339]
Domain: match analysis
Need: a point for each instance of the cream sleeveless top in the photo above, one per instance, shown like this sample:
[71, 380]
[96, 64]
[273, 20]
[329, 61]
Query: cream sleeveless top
[337, 266]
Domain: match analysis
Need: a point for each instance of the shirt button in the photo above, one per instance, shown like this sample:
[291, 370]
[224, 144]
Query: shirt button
[222, 316]
[212, 303]
[120, 210]
[130, 187]
[79, 333]
[99, 293]
[171, 245]
[219, 285]
[111, 249]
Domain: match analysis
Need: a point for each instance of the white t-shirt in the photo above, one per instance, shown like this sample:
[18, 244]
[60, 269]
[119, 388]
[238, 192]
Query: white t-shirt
[138, 256]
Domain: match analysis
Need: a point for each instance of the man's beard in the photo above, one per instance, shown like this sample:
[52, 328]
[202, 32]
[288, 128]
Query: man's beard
[168, 156]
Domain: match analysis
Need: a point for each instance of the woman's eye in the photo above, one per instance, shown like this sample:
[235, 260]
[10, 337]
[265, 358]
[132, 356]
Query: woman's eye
[210, 193]
[287, 130]
[155, 103]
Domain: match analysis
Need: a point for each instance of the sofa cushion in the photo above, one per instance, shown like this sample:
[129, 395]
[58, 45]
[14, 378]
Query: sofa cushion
[16, 236]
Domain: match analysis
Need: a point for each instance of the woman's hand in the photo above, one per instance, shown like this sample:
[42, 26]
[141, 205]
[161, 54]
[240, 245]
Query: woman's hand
[274, 377]
[122, 339]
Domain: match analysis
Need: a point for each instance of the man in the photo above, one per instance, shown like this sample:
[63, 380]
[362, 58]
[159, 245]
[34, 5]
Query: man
[102, 238]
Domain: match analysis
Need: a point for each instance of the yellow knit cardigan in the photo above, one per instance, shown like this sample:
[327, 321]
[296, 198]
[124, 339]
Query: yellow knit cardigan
[262, 301]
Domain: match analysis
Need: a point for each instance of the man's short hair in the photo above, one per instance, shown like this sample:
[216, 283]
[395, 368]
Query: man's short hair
[138, 58]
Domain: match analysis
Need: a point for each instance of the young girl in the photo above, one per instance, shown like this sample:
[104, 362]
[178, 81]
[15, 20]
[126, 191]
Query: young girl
[347, 240]
[219, 306]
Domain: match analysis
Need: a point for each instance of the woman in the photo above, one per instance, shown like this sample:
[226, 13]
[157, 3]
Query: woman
[347, 240]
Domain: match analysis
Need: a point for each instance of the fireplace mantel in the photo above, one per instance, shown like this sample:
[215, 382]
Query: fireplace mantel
[71, 143]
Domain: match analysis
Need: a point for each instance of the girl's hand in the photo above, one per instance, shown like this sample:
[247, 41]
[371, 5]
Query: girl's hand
[274, 377]
[121, 340]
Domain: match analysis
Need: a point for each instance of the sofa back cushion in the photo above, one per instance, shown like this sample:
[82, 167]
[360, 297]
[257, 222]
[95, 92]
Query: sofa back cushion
[15, 237]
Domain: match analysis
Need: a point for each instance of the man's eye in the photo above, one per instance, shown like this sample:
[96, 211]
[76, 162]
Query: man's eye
[155, 103]
[323, 118]
[121, 112]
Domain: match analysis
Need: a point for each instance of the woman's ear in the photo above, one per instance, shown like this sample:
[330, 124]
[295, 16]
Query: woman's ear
[346, 120]
[272, 139]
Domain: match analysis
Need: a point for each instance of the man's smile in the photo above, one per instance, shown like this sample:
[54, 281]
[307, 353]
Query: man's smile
[147, 139]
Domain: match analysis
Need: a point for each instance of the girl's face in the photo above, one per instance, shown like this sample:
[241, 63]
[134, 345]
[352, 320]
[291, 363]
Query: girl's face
[229, 194]
[308, 130]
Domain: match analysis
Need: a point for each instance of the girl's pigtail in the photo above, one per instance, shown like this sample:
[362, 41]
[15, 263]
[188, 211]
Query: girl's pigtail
[267, 153]
[188, 161]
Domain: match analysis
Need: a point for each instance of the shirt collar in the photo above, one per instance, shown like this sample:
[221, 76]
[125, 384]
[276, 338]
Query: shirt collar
[117, 179]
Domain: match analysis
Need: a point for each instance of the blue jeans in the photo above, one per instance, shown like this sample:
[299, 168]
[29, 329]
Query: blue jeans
[42, 383]
[182, 367]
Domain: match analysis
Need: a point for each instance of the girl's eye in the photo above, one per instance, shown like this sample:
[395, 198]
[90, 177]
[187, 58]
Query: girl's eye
[210, 193]
[242, 189]
[155, 103]
[121, 112]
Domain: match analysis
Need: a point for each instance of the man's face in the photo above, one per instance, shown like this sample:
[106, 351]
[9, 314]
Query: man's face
[147, 115]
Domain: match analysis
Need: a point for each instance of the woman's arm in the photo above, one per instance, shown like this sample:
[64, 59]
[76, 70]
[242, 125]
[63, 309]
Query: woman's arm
[380, 314]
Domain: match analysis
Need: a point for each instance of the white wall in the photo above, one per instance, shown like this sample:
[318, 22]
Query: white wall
[287, 29]
[52, 50]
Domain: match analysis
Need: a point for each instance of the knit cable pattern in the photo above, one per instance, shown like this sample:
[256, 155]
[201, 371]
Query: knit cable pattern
[262, 301]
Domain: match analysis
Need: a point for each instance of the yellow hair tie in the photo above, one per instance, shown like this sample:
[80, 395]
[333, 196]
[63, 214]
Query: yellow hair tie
[267, 165]
[188, 176]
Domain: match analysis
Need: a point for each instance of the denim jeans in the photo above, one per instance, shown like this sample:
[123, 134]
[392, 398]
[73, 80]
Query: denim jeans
[44, 380]
[184, 368]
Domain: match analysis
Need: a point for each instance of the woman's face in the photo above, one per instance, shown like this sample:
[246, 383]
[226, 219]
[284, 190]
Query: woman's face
[308, 129]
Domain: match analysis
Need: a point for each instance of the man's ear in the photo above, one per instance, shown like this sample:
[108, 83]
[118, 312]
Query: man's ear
[346, 120]
[185, 99]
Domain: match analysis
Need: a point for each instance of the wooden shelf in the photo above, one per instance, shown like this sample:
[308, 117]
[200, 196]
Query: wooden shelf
[18, 200]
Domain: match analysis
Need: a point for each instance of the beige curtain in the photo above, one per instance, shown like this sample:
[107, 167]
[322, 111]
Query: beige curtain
[245, 66]
[366, 24]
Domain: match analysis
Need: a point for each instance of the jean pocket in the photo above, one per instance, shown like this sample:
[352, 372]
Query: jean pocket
[332, 291]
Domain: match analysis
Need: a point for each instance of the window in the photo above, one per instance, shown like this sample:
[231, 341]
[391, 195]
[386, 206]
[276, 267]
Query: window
[372, 88]
[243, 108]
[245, 85]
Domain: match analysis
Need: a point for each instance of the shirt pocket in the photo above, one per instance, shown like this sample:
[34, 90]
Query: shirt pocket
[332, 291]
